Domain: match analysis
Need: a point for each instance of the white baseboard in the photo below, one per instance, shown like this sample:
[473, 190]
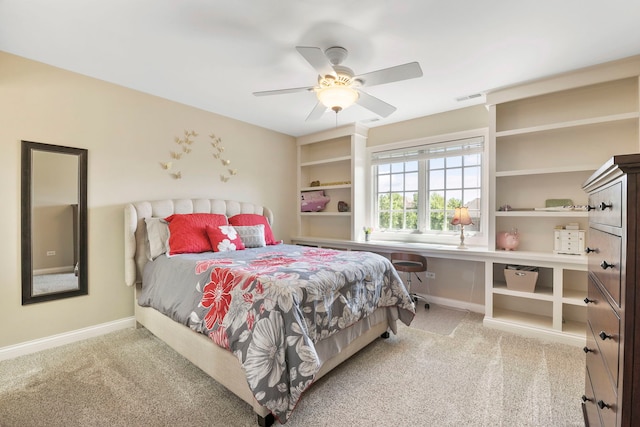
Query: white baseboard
[534, 332]
[454, 303]
[52, 341]
[53, 270]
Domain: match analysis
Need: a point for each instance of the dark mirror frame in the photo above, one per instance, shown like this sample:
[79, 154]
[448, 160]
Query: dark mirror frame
[27, 261]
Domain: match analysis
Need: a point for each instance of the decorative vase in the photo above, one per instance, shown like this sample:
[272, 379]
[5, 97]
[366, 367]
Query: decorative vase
[366, 237]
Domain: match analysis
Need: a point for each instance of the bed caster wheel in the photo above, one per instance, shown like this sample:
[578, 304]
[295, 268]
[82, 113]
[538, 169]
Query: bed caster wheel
[385, 335]
[426, 306]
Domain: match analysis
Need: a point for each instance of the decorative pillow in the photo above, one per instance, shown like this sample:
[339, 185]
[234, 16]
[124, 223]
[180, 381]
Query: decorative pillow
[254, 219]
[224, 238]
[188, 232]
[157, 237]
[252, 235]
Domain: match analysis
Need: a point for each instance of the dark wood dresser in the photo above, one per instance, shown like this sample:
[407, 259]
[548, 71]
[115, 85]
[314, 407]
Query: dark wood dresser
[612, 383]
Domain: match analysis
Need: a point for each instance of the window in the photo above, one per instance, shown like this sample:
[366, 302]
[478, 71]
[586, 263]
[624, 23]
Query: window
[416, 188]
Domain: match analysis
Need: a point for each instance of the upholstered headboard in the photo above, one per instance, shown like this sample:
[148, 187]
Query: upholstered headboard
[135, 232]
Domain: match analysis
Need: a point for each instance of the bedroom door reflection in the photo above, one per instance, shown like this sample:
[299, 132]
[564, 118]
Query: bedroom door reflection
[54, 222]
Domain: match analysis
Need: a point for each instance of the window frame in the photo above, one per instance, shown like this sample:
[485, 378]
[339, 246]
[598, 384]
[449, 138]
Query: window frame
[449, 237]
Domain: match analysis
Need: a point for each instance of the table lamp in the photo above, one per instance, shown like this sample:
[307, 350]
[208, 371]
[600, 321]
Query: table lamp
[461, 217]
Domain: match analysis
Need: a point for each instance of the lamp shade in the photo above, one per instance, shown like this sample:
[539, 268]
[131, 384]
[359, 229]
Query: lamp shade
[461, 217]
[337, 97]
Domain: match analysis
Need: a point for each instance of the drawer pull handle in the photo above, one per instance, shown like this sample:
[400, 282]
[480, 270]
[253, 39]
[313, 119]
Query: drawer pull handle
[587, 349]
[604, 336]
[586, 399]
[589, 250]
[603, 405]
[604, 206]
[587, 301]
[590, 208]
[605, 265]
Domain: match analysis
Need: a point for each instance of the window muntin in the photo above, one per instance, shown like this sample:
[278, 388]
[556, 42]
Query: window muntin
[397, 195]
[417, 188]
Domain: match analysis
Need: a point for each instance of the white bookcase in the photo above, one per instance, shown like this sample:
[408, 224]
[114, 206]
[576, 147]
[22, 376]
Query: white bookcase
[335, 159]
[547, 138]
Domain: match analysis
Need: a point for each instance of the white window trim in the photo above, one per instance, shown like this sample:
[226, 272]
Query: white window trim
[479, 239]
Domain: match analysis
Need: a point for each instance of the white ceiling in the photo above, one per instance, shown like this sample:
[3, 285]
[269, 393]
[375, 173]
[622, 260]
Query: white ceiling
[213, 54]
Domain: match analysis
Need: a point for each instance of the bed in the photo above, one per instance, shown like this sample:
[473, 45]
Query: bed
[266, 321]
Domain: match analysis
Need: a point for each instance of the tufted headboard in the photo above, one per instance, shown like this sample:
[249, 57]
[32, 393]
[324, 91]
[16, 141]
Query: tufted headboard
[135, 231]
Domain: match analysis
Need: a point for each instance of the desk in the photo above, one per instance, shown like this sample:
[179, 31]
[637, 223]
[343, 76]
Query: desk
[555, 310]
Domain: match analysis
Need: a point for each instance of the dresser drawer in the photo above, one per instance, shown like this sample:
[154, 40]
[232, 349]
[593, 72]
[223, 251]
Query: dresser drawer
[603, 395]
[604, 260]
[606, 206]
[605, 330]
[592, 418]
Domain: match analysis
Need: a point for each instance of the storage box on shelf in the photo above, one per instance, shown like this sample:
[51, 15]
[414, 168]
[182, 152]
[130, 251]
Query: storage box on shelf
[520, 278]
[333, 161]
[548, 137]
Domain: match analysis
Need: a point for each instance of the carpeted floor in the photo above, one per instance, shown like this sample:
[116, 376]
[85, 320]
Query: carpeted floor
[56, 282]
[471, 376]
[438, 319]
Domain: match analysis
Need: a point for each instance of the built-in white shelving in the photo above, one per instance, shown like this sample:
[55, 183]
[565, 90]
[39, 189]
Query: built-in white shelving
[546, 141]
[333, 160]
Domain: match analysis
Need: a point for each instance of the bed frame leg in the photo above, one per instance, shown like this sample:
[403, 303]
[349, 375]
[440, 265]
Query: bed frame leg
[385, 335]
[266, 421]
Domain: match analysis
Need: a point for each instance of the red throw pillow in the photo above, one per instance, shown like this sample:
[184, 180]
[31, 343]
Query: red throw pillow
[255, 219]
[188, 232]
[224, 238]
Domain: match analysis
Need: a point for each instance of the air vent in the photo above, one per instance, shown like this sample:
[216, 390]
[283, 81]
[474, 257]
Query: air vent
[468, 97]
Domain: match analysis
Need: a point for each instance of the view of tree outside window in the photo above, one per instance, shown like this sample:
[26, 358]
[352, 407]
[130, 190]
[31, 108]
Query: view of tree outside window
[421, 195]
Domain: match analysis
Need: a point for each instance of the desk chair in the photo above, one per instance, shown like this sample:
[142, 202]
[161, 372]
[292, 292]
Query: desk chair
[410, 263]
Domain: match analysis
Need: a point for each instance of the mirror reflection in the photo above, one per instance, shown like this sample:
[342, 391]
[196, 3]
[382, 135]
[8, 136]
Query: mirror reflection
[54, 219]
[54, 222]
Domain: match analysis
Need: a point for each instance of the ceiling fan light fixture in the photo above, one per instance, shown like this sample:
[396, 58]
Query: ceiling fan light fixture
[337, 97]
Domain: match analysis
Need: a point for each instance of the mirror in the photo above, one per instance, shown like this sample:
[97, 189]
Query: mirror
[54, 222]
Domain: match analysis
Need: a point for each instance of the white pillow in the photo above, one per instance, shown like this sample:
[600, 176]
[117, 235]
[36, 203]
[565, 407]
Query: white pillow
[252, 236]
[157, 237]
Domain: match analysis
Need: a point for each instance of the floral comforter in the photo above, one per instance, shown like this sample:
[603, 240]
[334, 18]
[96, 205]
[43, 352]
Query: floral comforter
[269, 306]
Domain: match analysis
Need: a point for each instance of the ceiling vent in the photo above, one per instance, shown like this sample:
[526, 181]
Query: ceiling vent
[468, 97]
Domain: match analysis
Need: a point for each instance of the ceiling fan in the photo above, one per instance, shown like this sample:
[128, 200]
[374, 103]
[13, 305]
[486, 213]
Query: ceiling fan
[338, 87]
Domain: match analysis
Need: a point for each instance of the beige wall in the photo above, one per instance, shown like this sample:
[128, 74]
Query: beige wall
[128, 134]
[469, 118]
[52, 230]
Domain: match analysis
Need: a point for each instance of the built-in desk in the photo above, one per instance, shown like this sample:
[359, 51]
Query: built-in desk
[382, 246]
[555, 310]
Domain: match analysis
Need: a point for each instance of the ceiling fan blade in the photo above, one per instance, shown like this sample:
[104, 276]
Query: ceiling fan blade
[281, 91]
[374, 104]
[391, 74]
[318, 60]
[317, 112]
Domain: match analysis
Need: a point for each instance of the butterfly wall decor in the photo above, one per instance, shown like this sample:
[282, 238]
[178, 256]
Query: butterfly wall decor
[185, 144]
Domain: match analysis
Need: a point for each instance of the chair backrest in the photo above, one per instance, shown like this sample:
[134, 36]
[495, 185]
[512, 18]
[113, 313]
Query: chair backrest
[407, 262]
